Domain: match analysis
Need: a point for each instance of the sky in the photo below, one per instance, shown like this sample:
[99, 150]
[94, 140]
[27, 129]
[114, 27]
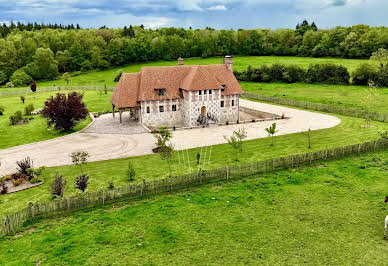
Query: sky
[219, 14]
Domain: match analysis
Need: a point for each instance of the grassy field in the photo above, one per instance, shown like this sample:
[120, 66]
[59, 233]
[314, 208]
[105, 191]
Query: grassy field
[350, 131]
[240, 63]
[36, 130]
[329, 214]
[343, 96]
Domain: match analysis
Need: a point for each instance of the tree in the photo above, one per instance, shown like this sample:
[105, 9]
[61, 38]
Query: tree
[33, 86]
[44, 66]
[165, 149]
[3, 78]
[236, 140]
[58, 185]
[131, 173]
[20, 78]
[271, 132]
[63, 112]
[369, 101]
[79, 158]
[66, 77]
[81, 182]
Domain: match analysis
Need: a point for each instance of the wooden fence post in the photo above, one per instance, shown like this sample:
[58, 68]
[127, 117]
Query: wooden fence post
[227, 172]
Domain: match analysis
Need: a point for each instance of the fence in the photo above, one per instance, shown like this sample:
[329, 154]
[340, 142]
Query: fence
[59, 88]
[10, 223]
[320, 107]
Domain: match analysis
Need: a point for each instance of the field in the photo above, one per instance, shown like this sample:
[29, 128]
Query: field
[330, 213]
[343, 96]
[240, 63]
[349, 131]
[36, 130]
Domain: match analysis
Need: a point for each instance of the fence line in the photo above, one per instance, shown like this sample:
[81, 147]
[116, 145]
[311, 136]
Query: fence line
[58, 88]
[320, 107]
[12, 222]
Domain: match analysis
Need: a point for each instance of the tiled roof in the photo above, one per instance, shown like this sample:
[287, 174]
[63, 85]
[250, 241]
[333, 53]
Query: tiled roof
[135, 87]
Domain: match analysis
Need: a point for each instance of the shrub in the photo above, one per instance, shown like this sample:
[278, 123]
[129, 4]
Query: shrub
[22, 98]
[33, 86]
[327, 73]
[3, 188]
[17, 182]
[81, 182]
[24, 165]
[58, 185]
[64, 112]
[20, 78]
[28, 109]
[16, 118]
[131, 172]
[35, 180]
[9, 84]
[118, 76]
[2, 109]
[111, 185]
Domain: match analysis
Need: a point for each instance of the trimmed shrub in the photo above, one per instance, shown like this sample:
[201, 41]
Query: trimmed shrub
[28, 109]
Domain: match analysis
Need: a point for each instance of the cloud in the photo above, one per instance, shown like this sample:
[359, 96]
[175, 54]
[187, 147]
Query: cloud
[338, 2]
[217, 8]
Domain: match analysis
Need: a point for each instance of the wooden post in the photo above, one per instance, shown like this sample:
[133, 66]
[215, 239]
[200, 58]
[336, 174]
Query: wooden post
[113, 110]
[120, 114]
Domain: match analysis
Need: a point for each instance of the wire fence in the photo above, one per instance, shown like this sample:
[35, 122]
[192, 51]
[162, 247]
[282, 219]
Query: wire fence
[12, 222]
[320, 107]
[56, 88]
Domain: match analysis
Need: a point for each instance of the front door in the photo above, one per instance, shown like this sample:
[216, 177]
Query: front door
[203, 111]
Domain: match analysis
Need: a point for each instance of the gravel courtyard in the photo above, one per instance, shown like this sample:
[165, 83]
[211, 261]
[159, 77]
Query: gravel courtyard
[133, 141]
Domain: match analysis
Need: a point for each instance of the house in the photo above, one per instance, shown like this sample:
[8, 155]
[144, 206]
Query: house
[180, 96]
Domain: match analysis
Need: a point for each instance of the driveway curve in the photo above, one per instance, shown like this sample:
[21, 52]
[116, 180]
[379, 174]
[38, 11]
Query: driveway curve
[103, 146]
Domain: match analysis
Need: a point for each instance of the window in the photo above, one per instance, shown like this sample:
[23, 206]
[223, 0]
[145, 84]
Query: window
[205, 92]
[210, 91]
[222, 103]
[148, 109]
[174, 107]
[200, 92]
[223, 88]
[232, 102]
[161, 92]
[161, 108]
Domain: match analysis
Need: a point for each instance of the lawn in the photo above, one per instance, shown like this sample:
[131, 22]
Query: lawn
[349, 131]
[36, 129]
[338, 95]
[329, 214]
[240, 63]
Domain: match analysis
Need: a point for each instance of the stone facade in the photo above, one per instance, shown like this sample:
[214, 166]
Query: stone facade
[211, 105]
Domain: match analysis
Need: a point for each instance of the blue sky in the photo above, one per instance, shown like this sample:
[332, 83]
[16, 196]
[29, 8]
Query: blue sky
[218, 14]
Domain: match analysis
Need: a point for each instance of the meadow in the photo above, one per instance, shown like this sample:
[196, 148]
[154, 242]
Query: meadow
[106, 77]
[320, 215]
[352, 97]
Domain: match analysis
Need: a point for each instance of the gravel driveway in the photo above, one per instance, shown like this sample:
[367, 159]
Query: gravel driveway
[105, 145]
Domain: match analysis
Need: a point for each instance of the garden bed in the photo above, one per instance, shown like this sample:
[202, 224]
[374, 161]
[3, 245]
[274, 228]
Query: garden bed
[11, 188]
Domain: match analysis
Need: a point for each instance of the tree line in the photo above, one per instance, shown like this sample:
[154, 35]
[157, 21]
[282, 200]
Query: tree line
[41, 54]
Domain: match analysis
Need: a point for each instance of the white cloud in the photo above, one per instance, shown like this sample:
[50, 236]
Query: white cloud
[217, 8]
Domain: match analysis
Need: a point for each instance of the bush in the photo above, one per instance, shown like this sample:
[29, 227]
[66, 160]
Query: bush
[24, 165]
[22, 98]
[58, 185]
[17, 182]
[2, 109]
[118, 76]
[65, 112]
[9, 84]
[28, 109]
[35, 180]
[327, 73]
[20, 78]
[3, 188]
[81, 182]
[16, 118]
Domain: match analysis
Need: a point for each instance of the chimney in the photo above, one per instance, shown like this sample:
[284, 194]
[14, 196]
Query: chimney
[228, 61]
[180, 61]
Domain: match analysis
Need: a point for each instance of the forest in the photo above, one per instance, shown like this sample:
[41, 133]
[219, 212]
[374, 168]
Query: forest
[35, 52]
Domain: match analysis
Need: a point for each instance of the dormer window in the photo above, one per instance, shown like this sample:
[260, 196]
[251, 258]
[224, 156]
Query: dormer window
[223, 88]
[160, 91]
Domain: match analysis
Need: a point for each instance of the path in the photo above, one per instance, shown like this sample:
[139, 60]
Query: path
[105, 146]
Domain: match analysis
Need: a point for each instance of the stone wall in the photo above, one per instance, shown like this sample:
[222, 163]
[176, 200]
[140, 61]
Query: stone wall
[230, 111]
[168, 118]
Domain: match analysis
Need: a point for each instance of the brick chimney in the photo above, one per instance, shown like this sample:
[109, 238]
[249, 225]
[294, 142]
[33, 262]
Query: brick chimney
[228, 61]
[180, 61]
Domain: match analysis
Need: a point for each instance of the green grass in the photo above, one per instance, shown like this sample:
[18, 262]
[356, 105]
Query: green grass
[36, 129]
[240, 63]
[349, 131]
[338, 95]
[329, 214]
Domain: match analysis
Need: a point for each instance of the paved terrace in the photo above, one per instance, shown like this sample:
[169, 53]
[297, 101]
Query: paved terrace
[104, 145]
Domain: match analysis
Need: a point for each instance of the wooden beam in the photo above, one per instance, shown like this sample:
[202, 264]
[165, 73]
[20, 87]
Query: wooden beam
[113, 110]
[120, 113]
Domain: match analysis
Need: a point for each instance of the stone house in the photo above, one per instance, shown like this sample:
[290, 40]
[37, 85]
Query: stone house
[180, 96]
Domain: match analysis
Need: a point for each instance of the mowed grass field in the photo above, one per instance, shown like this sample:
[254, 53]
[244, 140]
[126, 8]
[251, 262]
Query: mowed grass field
[329, 214]
[338, 95]
[349, 131]
[240, 63]
[36, 129]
